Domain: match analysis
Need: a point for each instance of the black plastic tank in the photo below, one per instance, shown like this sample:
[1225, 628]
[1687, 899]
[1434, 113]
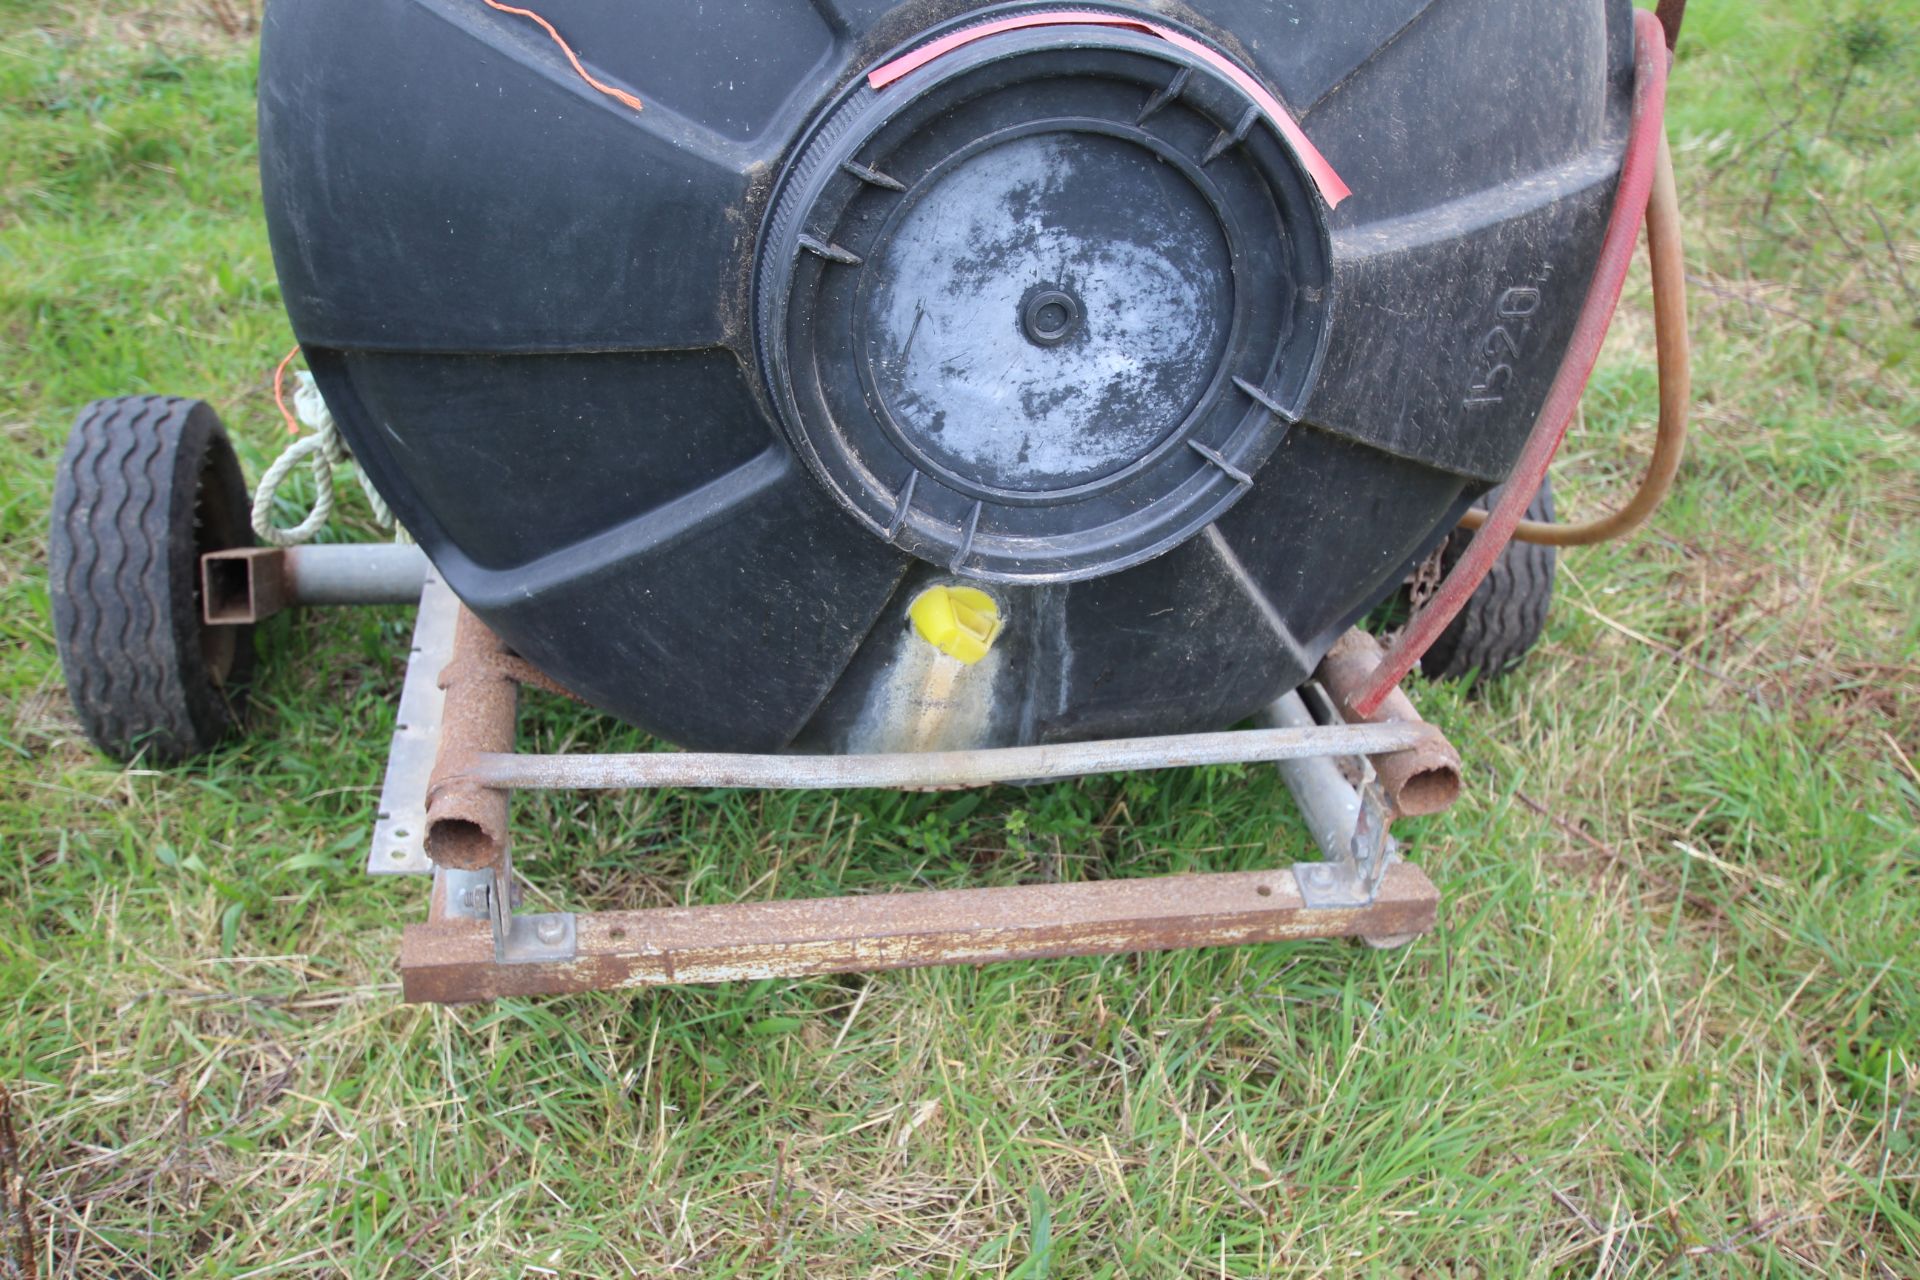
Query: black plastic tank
[936, 374]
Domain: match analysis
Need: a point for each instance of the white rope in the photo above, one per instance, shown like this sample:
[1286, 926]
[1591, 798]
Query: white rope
[322, 452]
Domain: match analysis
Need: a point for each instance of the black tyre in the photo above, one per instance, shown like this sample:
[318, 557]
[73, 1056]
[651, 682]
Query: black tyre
[1506, 616]
[146, 486]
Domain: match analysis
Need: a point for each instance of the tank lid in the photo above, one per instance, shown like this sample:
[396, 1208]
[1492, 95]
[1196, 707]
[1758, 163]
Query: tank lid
[1042, 307]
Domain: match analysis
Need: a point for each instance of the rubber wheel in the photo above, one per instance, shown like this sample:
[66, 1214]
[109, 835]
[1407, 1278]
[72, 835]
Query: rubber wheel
[1506, 616]
[147, 485]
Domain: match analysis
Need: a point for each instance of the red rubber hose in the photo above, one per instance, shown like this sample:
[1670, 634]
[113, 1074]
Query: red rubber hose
[1603, 295]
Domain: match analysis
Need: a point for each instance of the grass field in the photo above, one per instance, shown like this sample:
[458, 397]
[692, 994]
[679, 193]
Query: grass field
[1670, 1024]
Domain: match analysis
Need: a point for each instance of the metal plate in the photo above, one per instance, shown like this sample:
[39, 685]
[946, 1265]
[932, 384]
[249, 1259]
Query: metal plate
[399, 833]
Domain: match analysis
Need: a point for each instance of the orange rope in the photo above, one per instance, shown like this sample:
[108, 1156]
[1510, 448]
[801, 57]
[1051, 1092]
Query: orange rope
[618, 95]
[280, 389]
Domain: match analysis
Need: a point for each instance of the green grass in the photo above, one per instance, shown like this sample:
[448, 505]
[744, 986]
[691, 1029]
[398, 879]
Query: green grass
[1670, 1024]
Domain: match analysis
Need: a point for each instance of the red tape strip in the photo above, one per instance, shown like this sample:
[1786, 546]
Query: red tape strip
[1328, 183]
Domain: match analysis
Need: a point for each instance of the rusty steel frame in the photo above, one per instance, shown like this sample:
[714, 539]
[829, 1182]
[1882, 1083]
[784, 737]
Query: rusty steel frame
[452, 958]
[450, 777]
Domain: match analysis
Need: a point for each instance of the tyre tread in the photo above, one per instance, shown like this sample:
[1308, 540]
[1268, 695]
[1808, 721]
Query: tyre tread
[125, 487]
[1507, 615]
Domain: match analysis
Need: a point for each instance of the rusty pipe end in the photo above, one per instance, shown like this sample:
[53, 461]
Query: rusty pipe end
[1420, 781]
[466, 819]
[1423, 791]
[466, 826]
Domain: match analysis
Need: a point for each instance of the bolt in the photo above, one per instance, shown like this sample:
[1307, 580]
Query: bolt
[474, 898]
[550, 929]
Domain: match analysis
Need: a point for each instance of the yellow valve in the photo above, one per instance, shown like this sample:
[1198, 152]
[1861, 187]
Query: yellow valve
[960, 622]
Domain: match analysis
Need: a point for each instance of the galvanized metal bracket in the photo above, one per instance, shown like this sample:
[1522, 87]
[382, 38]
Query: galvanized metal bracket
[400, 830]
[1353, 878]
[1344, 804]
[541, 939]
[535, 938]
